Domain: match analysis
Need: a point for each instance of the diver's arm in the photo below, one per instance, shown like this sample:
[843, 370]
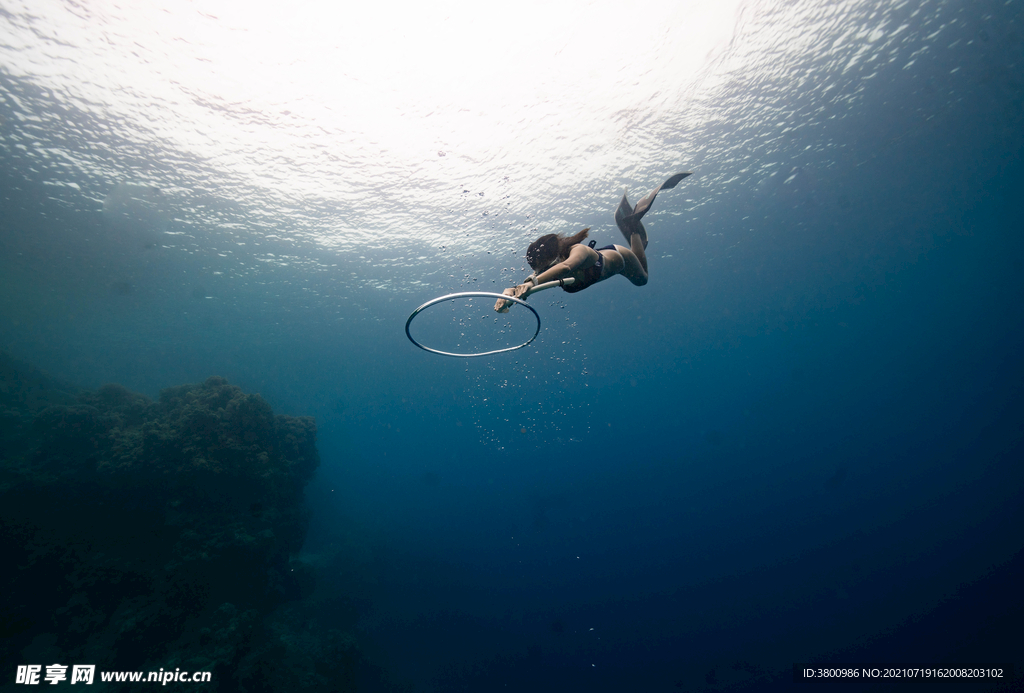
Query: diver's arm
[580, 257]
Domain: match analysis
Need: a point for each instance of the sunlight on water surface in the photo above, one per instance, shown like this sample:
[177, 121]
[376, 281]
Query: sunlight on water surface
[348, 121]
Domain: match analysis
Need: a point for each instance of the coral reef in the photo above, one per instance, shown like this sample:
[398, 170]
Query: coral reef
[140, 535]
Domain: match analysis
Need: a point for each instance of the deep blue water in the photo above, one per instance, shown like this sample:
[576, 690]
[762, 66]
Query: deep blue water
[801, 441]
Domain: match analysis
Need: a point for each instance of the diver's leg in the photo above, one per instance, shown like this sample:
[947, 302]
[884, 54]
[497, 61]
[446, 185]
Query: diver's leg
[634, 261]
[639, 247]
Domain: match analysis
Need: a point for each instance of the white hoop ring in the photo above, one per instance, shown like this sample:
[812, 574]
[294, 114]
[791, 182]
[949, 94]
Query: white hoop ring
[467, 294]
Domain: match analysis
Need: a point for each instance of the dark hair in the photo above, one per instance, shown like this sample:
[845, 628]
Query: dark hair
[549, 248]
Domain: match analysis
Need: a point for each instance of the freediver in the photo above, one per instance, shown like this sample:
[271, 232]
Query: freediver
[555, 257]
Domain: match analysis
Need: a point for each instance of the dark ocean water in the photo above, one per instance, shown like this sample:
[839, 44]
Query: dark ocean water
[800, 442]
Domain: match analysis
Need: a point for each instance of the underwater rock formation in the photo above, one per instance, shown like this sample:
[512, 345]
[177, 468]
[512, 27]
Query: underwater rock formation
[139, 535]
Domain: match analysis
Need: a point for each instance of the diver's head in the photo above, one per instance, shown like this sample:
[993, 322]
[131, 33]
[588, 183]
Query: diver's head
[543, 252]
[551, 248]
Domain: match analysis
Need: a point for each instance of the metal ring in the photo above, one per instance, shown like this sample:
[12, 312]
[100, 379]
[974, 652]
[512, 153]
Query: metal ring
[466, 294]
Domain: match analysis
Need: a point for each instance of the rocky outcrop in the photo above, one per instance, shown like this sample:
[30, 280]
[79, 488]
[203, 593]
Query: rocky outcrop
[141, 534]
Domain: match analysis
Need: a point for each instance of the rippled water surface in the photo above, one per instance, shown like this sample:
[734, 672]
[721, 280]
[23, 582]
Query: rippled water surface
[266, 191]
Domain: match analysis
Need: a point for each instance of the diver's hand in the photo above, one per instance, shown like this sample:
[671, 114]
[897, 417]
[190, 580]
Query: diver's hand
[502, 306]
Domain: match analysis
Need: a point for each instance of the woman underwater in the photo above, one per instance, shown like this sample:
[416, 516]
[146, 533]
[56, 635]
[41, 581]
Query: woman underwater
[554, 257]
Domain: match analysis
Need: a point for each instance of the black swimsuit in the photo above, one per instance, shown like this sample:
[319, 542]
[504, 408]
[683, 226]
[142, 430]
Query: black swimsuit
[591, 275]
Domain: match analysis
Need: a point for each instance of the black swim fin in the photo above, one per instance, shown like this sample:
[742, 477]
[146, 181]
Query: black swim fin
[628, 220]
[624, 219]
